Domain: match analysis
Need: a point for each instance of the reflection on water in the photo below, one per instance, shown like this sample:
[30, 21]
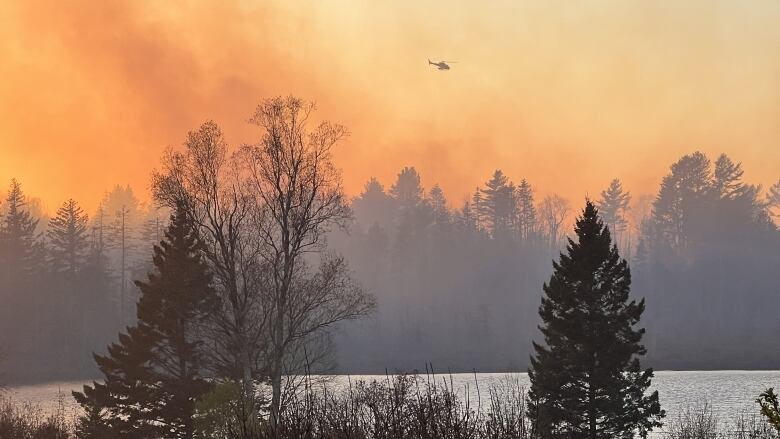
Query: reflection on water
[729, 393]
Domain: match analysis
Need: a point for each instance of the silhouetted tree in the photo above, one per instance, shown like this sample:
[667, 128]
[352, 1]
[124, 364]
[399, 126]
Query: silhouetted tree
[373, 205]
[20, 245]
[122, 210]
[153, 375]
[612, 206]
[407, 189]
[553, 211]
[526, 211]
[497, 204]
[441, 214]
[68, 238]
[682, 194]
[299, 199]
[22, 274]
[726, 179]
[773, 199]
[206, 181]
[586, 379]
[466, 217]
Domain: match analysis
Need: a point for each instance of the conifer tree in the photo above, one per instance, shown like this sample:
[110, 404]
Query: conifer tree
[407, 190]
[727, 177]
[441, 215]
[497, 204]
[612, 207]
[586, 379]
[20, 246]
[68, 238]
[683, 191]
[773, 199]
[526, 212]
[153, 373]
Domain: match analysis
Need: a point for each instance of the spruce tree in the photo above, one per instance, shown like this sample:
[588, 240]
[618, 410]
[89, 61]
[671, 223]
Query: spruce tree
[773, 199]
[20, 246]
[727, 178]
[68, 242]
[586, 379]
[153, 373]
[441, 215]
[497, 204]
[407, 190]
[526, 212]
[613, 206]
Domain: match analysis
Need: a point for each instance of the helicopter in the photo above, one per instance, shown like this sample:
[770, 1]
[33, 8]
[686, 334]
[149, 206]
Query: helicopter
[441, 65]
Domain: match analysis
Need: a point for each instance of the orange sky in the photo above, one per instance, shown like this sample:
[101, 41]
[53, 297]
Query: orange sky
[566, 94]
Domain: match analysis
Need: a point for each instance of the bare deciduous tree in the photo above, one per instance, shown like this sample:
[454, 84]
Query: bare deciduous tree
[553, 211]
[298, 198]
[205, 179]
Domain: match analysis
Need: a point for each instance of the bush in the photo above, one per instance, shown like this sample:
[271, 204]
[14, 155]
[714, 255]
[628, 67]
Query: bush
[27, 421]
[701, 422]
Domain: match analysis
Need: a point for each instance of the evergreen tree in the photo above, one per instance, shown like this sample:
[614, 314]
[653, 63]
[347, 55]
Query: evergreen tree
[586, 380]
[683, 193]
[68, 241]
[407, 189]
[613, 206]
[441, 215]
[726, 178]
[476, 210]
[374, 205]
[465, 218]
[497, 204]
[153, 373]
[526, 211]
[773, 199]
[20, 246]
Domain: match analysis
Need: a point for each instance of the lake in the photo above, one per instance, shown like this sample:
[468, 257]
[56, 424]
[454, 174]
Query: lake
[729, 393]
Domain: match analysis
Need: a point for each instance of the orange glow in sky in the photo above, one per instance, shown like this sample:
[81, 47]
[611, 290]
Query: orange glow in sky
[565, 94]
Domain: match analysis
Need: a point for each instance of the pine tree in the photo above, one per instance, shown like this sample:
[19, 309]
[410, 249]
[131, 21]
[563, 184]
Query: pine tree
[586, 380]
[773, 199]
[373, 205]
[613, 206]
[407, 190]
[497, 204]
[465, 219]
[20, 246]
[682, 194]
[726, 178]
[68, 241]
[153, 373]
[526, 212]
[441, 215]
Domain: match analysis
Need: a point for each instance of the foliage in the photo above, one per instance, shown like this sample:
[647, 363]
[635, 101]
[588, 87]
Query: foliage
[586, 379]
[27, 421]
[153, 373]
[769, 408]
[223, 413]
[68, 238]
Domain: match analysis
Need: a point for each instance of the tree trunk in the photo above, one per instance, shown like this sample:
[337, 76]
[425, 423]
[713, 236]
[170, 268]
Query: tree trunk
[276, 389]
[248, 391]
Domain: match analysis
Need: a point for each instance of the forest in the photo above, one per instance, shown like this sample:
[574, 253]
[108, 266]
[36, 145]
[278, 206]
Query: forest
[218, 308]
[457, 284]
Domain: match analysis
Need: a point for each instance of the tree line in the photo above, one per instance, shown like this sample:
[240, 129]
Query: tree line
[459, 286]
[453, 284]
[66, 280]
